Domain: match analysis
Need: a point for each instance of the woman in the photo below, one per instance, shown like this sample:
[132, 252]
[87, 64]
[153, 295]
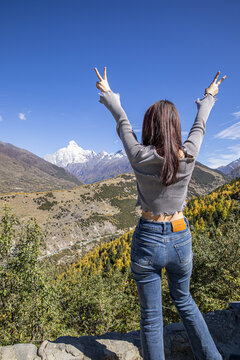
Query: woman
[163, 167]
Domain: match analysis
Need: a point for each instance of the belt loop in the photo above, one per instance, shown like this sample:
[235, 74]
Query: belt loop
[164, 227]
[139, 223]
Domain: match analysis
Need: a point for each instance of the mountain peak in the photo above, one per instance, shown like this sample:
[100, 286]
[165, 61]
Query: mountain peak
[72, 143]
[102, 153]
[75, 154]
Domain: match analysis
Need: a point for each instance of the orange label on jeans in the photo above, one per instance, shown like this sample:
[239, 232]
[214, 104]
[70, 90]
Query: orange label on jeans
[178, 225]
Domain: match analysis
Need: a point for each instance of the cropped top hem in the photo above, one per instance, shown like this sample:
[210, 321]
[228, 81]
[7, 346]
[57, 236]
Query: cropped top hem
[162, 213]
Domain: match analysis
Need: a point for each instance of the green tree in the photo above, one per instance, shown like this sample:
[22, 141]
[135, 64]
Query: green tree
[24, 290]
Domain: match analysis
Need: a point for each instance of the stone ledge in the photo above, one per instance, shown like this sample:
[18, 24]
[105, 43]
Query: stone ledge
[224, 326]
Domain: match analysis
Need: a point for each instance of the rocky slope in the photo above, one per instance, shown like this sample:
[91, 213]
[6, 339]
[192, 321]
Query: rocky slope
[229, 167]
[232, 170]
[234, 173]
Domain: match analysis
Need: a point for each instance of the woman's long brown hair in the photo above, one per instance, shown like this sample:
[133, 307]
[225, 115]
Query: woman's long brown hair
[162, 128]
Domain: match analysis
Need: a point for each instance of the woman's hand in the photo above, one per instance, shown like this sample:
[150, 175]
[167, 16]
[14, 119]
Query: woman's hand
[103, 83]
[213, 87]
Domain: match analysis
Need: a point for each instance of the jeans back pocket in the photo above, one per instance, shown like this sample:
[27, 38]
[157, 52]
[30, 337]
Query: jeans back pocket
[184, 250]
[143, 252]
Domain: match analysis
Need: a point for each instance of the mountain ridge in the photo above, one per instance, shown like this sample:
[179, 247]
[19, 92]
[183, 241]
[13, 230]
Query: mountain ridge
[21, 170]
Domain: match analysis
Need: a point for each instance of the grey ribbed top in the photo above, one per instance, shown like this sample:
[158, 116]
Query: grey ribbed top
[153, 196]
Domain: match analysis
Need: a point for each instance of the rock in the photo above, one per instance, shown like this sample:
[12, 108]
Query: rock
[61, 351]
[19, 352]
[109, 346]
[224, 326]
[176, 344]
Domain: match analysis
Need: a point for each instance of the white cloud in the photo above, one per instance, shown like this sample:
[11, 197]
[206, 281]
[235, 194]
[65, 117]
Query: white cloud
[232, 153]
[22, 116]
[1, 118]
[221, 160]
[235, 149]
[232, 132]
[214, 163]
[184, 133]
[236, 114]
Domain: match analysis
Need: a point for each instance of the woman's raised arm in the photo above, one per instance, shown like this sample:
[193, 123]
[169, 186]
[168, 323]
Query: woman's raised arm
[124, 129]
[195, 136]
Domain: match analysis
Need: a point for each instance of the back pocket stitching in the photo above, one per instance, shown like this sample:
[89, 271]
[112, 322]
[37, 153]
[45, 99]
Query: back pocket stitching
[134, 252]
[144, 242]
[180, 236]
[177, 246]
[183, 243]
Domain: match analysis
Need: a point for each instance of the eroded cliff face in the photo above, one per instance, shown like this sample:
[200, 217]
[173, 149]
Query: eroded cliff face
[224, 326]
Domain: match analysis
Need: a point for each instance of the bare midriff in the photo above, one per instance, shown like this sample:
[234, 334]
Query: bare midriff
[147, 215]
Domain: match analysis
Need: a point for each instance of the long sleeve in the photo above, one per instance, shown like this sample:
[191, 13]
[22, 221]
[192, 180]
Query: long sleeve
[195, 136]
[124, 129]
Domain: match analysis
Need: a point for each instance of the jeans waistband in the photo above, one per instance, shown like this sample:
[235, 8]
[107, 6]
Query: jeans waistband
[157, 226]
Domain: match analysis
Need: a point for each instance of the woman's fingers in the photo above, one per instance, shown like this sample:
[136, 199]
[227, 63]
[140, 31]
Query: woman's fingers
[105, 73]
[216, 76]
[99, 76]
[103, 83]
[219, 82]
[99, 85]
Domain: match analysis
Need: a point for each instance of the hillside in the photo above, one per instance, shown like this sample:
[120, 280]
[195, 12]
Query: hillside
[22, 171]
[79, 218]
[210, 211]
[216, 247]
[234, 173]
[97, 293]
[226, 169]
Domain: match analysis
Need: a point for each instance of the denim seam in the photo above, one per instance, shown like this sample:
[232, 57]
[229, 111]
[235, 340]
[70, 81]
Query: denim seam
[179, 236]
[166, 253]
[183, 243]
[153, 256]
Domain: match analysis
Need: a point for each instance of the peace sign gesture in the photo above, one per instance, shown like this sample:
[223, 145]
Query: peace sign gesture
[103, 83]
[213, 87]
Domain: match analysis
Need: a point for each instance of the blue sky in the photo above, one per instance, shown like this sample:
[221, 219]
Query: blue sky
[152, 50]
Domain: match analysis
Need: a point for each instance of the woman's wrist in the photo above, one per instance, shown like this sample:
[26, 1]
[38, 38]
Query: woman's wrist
[206, 93]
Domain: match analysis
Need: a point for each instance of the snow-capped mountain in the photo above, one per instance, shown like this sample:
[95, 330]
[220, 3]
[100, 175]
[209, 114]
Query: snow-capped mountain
[88, 165]
[71, 154]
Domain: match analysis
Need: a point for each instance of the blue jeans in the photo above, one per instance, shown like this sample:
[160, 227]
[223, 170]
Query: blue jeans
[154, 246]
